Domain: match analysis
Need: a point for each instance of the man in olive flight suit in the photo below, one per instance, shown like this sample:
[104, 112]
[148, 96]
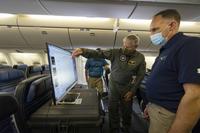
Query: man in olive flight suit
[127, 71]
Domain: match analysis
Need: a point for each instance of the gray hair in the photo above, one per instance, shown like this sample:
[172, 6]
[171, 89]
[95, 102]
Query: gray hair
[133, 37]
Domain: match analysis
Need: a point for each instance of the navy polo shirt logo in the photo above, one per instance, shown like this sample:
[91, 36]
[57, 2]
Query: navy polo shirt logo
[198, 70]
[162, 58]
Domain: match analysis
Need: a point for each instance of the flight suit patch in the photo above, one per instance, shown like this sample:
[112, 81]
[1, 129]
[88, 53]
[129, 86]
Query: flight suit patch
[131, 62]
[122, 58]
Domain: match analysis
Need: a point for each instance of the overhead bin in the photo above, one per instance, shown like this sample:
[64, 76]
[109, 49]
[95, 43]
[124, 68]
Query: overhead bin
[33, 37]
[92, 38]
[37, 37]
[56, 36]
[11, 38]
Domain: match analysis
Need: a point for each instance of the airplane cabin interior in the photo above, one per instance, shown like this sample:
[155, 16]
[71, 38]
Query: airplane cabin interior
[37, 38]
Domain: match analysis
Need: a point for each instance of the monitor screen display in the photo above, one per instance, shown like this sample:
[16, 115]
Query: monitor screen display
[63, 71]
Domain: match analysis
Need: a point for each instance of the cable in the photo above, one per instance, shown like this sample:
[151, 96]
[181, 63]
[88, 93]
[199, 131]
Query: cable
[21, 34]
[115, 39]
[43, 7]
[133, 10]
[70, 40]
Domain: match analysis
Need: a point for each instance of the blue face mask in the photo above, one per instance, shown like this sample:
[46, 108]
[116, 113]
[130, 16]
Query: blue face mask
[158, 39]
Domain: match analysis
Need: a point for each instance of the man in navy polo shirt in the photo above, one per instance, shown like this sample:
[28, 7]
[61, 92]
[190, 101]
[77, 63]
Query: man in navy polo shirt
[173, 88]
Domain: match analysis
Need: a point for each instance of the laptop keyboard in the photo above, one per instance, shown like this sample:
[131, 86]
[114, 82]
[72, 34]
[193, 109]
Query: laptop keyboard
[71, 97]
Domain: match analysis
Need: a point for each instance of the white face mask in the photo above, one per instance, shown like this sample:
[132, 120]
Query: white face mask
[158, 39]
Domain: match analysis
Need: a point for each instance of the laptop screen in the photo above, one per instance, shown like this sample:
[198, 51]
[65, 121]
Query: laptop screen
[63, 71]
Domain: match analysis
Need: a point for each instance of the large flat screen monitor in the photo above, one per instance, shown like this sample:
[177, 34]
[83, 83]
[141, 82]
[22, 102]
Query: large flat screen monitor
[63, 71]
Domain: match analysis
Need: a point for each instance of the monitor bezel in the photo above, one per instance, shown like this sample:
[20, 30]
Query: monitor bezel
[49, 60]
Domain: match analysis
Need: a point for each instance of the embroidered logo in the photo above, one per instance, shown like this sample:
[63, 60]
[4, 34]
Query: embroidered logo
[122, 58]
[163, 58]
[198, 70]
[131, 62]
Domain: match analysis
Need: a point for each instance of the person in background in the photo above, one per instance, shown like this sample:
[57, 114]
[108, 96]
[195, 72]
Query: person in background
[127, 70]
[173, 87]
[94, 69]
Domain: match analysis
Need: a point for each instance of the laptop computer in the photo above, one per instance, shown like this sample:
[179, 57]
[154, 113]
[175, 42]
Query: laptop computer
[63, 74]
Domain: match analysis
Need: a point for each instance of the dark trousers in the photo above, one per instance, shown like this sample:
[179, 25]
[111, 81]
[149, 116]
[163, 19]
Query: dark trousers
[118, 108]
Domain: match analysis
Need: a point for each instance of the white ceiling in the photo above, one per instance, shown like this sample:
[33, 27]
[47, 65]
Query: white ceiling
[101, 8]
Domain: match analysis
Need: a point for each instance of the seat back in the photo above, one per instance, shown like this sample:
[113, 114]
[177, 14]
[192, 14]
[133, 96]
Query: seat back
[4, 66]
[34, 70]
[31, 94]
[22, 67]
[9, 106]
[45, 69]
[9, 78]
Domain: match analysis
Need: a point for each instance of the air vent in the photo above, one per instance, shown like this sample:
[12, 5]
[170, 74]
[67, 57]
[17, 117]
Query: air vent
[19, 51]
[92, 34]
[84, 29]
[44, 32]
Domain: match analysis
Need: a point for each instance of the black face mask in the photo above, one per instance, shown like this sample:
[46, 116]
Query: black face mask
[128, 51]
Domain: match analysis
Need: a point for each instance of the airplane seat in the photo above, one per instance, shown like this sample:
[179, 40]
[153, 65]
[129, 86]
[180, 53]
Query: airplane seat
[34, 70]
[3, 66]
[22, 67]
[45, 69]
[36, 63]
[31, 94]
[9, 78]
[9, 106]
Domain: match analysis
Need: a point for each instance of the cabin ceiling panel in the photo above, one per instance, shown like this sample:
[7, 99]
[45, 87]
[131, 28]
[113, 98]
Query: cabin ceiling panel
[92, 38]
[11, 38]
[131, 1]
[21, 7]
[147, 10]
[89, 9]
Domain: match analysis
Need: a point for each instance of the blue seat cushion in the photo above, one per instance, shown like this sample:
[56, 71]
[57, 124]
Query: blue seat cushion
[8, 75]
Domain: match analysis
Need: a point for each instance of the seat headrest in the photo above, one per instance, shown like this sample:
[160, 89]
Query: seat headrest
[8, 105]
[2, 66]
[35, 69]
[45, 67]
[22, 66]
[7, 75]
